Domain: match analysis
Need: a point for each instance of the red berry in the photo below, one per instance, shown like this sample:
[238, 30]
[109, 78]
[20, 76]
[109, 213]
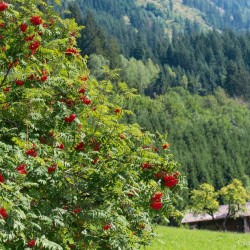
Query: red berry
[29, 38]
[156, 205]
[71, 51]
[3, 6]
[170, 180]
[86, 100]
[82, 90]
[61, 146]
[36, 20]
[3, 213]
[7, 89]
[31, 243]
[52, 168]
[107, 227]
[21, 169]
[31, 152]
[77, 210]
[95, 161]
[43, 78]
[157, 197]
[34, 46]
[166, 146]
[80, 146]
[23, 27]
[1, 178]
[118, 111]
[70, 119]
[146, 165]
[19, 82]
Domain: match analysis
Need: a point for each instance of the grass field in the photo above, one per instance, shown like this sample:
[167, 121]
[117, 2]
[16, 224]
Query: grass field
[184, 239]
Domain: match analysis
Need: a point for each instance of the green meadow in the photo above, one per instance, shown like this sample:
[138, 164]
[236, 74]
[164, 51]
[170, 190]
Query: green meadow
[169, 238]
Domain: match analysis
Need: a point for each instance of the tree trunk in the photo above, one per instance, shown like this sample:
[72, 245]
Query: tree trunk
[215, 222]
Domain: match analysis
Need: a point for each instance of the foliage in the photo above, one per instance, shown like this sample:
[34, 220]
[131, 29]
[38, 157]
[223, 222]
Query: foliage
[72, 175]
[138, 74]
[97, 64]
[235, 195]
[204, 200]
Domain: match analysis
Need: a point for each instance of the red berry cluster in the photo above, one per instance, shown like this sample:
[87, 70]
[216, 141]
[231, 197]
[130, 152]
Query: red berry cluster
[166, 146]
[80, 146]
[146, 165]
[34, 46]
[21, 169]
[1, 178]
[156, 203]
[70, 118]
[44, 76]
[170, 180]
[32, 152]
[3, 213]
[52, 168]
[85, 100]
[36, 20]
[23, 27]
[95, 144]
[3, 6]
[31, 243]
[19, 82]
[118, 111]
[107, 227]
[71, 51]
[77, 210]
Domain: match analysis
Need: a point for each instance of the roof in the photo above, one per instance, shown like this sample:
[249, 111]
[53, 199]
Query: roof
[220, 214]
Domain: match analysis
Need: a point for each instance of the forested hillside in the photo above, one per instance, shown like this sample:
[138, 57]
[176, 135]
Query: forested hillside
[197, 61]
[209, 135]
[137, 33]
[186, 68]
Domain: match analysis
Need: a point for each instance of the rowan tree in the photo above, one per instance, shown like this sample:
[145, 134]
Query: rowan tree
[72, 176]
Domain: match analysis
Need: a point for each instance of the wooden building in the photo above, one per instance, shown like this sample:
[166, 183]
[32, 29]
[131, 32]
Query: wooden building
[241, 223]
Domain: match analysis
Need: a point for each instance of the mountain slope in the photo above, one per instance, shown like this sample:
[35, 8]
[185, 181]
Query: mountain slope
[219, 14]
[150, 22]
[178, 18]
[233, 14]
